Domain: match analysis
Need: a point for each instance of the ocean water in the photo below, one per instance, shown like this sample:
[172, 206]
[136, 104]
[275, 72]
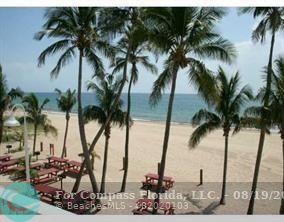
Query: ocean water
[185, 105]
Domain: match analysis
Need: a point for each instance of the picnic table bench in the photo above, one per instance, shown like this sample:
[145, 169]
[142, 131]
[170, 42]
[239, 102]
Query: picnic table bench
[5, 158]
[4, 166]
[47, 193]
[151, 182]
[146, 204]
[36, 166]
[46, 176]
[75, 165]
[72, 169]
[57, 162]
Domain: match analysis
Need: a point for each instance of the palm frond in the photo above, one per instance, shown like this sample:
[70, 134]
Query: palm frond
[95, 62]
[52, 49]
[204, 115]
[94, 113]
[63, 60]
[220, 49]
[203, 80]
[159, 86]
[202, 131]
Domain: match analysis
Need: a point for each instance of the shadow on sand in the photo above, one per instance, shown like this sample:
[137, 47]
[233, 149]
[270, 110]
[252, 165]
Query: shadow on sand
[210, 209]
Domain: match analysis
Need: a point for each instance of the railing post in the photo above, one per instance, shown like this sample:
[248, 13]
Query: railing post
[41, 146]
[51, 149]
[201, 177]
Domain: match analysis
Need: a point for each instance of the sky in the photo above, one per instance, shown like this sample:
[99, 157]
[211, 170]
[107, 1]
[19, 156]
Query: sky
[19, 53]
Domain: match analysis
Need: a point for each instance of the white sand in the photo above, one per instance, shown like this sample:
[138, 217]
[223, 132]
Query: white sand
[182, 164]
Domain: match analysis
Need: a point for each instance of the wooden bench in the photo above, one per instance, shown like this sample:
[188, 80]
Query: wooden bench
[5, 158]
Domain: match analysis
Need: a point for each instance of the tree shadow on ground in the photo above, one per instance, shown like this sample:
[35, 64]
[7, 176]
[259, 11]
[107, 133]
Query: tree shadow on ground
[210, 209]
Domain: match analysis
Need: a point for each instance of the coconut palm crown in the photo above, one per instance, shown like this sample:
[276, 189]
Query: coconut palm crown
[227, 106]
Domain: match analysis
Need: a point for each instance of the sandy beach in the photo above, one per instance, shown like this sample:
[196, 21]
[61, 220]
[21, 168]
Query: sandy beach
[183, 164]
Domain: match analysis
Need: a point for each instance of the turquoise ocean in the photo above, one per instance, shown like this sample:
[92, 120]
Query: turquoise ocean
[185, 105]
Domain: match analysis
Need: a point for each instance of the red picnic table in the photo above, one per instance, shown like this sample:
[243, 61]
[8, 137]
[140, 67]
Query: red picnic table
[152, 180]
[5, 158]
[84, 199]
[73, 165]
[57, 162]
[47, 193]
[72, 169]
[144, 204]
[5, 165]
[50, 176]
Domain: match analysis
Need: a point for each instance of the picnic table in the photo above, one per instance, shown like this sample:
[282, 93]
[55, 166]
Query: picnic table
[5, 165]
[47, 193]
[5, 158]
[145, 204]
[46, 176]
[151, 182]
[83, 199]
[72, 169]
[74, 165]
[57, 162]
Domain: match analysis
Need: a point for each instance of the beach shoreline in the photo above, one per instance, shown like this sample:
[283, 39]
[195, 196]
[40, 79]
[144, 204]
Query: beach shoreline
[74, 114]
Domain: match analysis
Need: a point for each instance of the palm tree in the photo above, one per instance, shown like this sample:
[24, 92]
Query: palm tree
[106, 92]
[271, 22]
[227, 106]
[34, 111]
[6, 98]
[275, 108]
[113, 21]
[65, 102]
[185, 34]
[136, 58]
[76, 29]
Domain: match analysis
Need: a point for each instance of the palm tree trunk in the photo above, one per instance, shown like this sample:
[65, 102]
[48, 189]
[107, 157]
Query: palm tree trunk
[282, 199]
[93, 162]
[107, 136]
[35, 135]
[166, 140]
[64, 150]
[222, 201]
[82, 129]
[101, 130]
[1, 127]
[126, 149]
[263, 128]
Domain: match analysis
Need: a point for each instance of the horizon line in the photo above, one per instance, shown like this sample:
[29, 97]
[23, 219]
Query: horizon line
[122, 93]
